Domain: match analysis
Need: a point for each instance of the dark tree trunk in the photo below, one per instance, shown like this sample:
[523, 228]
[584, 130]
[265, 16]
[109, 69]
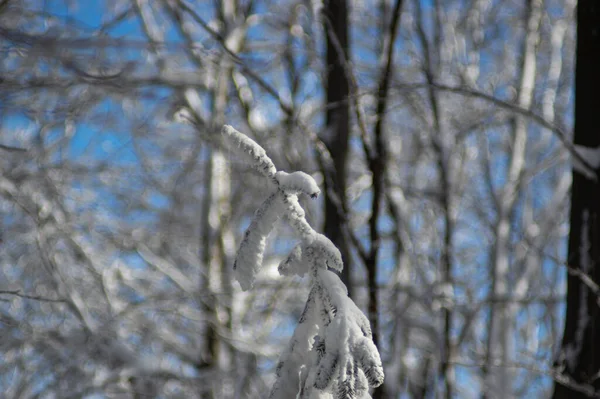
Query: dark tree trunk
[579, 357]
[337, 129]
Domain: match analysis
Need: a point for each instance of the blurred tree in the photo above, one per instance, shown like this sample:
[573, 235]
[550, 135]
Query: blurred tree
[336, 133]
[579, 357]
[121, 210]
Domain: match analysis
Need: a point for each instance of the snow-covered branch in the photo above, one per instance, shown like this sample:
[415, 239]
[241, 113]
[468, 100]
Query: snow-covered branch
[331, 353]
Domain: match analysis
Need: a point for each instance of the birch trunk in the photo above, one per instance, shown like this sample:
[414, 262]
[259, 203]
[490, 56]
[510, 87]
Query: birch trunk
[500, 345]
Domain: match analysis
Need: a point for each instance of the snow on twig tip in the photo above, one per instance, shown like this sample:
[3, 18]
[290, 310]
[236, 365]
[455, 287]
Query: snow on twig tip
[326, 253]
[318, 252]
[298, 182]
[368, 356]
[249, 151]
[293, 264]
[348, 338]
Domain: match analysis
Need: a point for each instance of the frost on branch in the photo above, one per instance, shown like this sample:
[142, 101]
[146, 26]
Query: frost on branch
[331, 353]
[248, 260]
[324, 253]
[293, 264]
[249, 151]
[298, 182]
[350, 344]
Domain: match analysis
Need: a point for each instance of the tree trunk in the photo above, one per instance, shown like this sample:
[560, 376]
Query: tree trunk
[500, 344]
[337, 128]
[579, 357]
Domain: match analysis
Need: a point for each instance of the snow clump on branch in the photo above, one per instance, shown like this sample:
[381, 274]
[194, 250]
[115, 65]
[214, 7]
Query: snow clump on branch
[331, 353]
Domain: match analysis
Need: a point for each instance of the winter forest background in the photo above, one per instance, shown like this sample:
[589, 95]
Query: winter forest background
[438, 131]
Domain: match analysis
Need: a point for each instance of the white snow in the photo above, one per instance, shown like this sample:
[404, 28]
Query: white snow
[296, 216]
[298, 353]
[324, 254]
[298, 182]
[293, 264]
[347, 341]
[249, 151]
[331, 353]
[250, 254]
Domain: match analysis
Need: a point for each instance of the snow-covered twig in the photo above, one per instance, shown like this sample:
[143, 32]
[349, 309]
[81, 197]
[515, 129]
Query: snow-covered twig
[331, 353]
[250, 254]
[249, 151]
